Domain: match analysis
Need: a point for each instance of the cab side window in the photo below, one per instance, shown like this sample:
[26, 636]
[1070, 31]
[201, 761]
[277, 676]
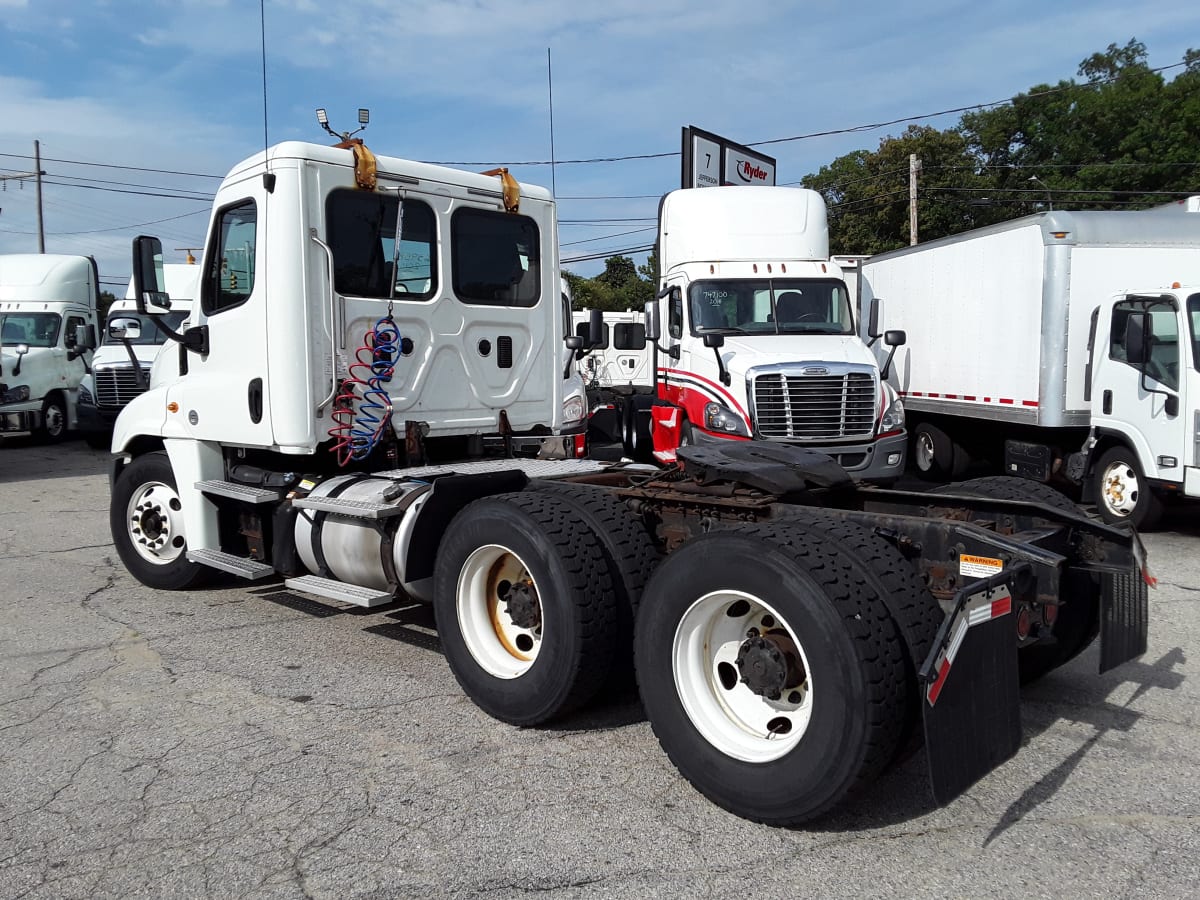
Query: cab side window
[675, 316]
[229, 279]
[496, 258]
[1162, 325]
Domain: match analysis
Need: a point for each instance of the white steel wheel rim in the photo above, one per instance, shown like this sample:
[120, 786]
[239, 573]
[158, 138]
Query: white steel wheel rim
[734, 719]
[154, 518]
[925, 452]
[499, 645]
[1119, 488]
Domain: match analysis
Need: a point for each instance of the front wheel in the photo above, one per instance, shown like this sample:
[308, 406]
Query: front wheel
[54, 421]
[775, 688]
[1123, 494]
[146, 518]
[935, 455]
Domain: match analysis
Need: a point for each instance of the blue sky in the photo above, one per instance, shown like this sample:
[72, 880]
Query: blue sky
[178, 86]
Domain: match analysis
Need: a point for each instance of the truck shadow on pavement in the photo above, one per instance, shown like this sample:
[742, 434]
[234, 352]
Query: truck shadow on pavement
[904, 793]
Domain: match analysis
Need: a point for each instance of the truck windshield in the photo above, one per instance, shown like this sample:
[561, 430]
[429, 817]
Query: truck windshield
[1193, 310]
[770, 306]
[150, 332]
[34, 329]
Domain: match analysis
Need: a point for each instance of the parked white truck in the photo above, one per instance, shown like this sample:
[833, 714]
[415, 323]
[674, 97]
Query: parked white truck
[1019, 351]
[358, 315]
[121, 365]
[47, 333]
[760, 341]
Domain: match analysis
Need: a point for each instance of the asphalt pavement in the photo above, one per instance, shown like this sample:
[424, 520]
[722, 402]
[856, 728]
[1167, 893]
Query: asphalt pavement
[241, 741]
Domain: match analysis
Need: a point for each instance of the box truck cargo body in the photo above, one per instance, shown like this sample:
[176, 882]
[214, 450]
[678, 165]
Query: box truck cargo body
[1016, 348]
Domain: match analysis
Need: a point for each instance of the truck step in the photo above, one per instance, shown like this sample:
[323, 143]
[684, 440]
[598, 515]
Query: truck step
[244, 492]
[338, 590]
[342, 506]
[228, 562]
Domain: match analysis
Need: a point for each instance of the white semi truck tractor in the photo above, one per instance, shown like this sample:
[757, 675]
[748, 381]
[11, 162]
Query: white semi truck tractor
[756, 338]
[374, 401]
[47, 334]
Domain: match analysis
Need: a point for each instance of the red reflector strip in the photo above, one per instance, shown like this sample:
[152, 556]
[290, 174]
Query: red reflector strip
[1001, 607]
[936, 687]
[1029, 403]
[1007, 400]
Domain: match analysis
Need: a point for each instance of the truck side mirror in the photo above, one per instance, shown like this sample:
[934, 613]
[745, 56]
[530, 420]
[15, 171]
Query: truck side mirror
[893, 338]
[873, 320]
[573, 342]
[147, 276]
[653, 324]
[1137, 339]
[595, 329]
[125, 329]
[714, 341]
[85, 337]
[629, 336]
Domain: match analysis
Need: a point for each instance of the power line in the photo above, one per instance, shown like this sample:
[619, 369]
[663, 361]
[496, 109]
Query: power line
[79, 162]
[605, 237]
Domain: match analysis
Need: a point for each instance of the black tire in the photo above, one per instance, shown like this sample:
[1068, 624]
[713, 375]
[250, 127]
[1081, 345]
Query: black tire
[98, 440]
[144, 510]
[629, 553]
[1119, 482]
[915, 612]
[637, 429]
[935, 455]
[1078, 621]
[854, 655]
[564, 561]
[53, 428]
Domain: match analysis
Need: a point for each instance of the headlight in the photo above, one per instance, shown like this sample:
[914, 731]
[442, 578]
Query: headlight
[18, 394]
[893, 419]
[724, 420]
[573, 410]
[85, 397]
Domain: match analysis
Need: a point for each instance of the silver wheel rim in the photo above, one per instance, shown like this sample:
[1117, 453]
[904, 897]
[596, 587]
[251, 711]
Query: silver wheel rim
[154, 518]
[1119, 488]
[925, 453]
[500, 645]
[54, 420]
[728, 714]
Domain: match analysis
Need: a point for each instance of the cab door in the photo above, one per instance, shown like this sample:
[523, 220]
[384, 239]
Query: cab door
[223, 398]
[1140, 398]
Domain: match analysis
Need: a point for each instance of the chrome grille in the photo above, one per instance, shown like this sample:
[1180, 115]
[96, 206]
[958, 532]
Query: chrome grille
[814, 407]
[117, 385]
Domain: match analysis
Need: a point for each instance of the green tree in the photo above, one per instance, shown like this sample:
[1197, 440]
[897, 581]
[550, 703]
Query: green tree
[618, 287]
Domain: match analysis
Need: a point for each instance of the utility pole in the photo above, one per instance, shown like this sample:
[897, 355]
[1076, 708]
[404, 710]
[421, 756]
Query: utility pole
[37, 168]
[914, 167]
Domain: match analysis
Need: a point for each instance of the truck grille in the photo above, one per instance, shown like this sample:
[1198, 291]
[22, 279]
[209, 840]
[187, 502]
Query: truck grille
[814, 407]
[117, 385]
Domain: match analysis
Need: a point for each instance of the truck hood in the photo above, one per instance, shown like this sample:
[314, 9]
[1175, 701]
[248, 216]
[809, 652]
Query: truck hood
[40, 370]
[742, 352]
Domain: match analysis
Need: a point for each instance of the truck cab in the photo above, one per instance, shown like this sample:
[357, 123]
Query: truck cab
[758, 338]
[121, 365]
[1144, 385]
[47, 333]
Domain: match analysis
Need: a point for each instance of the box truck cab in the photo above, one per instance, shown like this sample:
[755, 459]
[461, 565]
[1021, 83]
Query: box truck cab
[1145, 393]
[47, 333]
[121, 365]
[758, 340]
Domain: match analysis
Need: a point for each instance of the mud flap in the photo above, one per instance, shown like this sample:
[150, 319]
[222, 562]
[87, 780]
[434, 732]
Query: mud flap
[1124, 619]
[971, 699]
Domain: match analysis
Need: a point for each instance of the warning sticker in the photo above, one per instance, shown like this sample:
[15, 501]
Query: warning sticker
[978, 566]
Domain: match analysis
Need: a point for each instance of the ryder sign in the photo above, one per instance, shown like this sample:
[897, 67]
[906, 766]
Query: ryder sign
[710, 160]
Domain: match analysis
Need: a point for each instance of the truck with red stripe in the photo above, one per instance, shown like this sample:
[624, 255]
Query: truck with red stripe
[377, 347]
[755, 335]
[1061, 346]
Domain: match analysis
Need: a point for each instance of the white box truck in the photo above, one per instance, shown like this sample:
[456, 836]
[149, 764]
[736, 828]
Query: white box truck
[759, 340]
[1018, 351]
[351, 314]
[47, 333]
[121, 365]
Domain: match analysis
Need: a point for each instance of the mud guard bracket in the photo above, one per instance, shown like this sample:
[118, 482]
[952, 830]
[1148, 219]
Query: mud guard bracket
[970, 697]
